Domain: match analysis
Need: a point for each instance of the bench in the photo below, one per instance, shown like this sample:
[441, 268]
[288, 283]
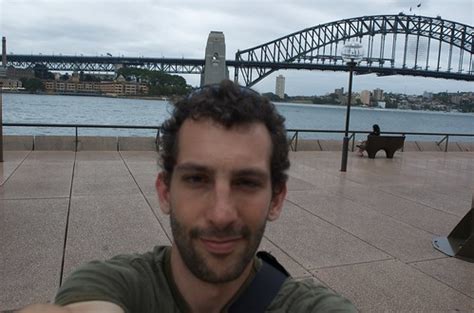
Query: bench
[389, 144]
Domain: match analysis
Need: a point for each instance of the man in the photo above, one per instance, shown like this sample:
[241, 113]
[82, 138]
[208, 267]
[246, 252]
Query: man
[224, 156]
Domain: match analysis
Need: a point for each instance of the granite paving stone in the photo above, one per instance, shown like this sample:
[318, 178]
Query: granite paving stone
[39, 158]
[103, 226]
[454, 272]
[407, 211]
[50, 180]
[389, 235]
[298, 184]
[32, 239]
[316, 243]
[108, 178]
[12, 159]
[393, 286]
[140, 156]
[446, 203]
[295, 269]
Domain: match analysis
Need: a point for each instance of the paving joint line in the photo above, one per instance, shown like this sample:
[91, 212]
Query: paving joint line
[66, 230]
[287, 254]
[38, 198]
[356, 263]
[16, 168]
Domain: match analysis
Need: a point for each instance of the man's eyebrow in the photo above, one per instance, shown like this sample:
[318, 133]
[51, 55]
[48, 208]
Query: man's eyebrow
[192, 167]
[249, 171]
[255, 172]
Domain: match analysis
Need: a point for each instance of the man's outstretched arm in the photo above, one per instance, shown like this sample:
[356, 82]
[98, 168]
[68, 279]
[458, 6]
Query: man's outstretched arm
[80, 307]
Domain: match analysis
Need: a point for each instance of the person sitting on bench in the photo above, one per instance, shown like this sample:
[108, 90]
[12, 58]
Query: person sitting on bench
[363, 145]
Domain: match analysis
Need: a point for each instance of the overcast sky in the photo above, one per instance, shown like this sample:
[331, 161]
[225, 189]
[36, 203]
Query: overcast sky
[173, 28]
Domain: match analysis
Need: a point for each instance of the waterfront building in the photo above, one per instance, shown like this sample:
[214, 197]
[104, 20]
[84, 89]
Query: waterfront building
[112, 88]
[17, 73]
[377, 94]
[11, 84]
[280, 86]
[427, 95]
[365, 97]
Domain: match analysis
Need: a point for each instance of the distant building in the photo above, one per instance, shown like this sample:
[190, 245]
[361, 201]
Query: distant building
[17, 73]
[365, 97]
[10, 84]
[280, 86]
[456, 99]
[377, 95]
[113, 88]
[339, 91]
[427, 95]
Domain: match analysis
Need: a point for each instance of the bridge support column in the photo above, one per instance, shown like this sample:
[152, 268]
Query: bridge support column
[215, 69]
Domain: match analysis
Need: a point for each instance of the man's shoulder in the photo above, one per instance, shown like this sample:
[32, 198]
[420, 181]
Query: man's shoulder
[308, 296]
[128, 262]
[157, 255]
[123, 276]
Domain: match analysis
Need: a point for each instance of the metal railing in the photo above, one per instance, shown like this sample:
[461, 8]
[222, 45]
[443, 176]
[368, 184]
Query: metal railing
[77, 126]
[293, 139]
[445, 136]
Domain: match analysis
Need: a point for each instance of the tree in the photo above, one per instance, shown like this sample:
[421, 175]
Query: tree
[42, 72]
[32, 85]
[159, 83]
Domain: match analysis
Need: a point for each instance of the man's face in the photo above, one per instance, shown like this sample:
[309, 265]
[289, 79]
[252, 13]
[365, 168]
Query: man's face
[220, 197]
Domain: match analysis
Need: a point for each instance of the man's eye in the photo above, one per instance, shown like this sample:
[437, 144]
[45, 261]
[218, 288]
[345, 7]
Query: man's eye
[195, 179]
[248, 183]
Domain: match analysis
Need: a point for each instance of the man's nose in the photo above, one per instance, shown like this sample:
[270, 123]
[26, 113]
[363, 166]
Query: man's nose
[223, 210]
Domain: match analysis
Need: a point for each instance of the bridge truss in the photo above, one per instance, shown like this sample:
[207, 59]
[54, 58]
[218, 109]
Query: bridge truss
[394, 45]
[106, 64]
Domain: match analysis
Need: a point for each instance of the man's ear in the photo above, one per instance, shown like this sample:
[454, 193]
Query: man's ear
[163, 190]
[276, 204]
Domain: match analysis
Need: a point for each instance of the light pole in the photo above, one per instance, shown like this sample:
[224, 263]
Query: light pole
[351, 54]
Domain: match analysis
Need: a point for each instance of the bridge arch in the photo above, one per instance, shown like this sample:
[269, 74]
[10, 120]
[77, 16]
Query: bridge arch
[430, 47]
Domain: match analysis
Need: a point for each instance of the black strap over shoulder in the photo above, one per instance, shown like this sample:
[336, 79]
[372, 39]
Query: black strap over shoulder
[263, 288]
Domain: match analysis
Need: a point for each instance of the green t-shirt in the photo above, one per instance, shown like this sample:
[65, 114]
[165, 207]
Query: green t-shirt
[142, 283]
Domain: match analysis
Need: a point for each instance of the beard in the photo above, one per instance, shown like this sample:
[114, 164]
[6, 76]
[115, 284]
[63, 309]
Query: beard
[199, 264]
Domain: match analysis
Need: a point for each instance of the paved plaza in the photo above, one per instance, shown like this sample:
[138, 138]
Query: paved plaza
[366, 233]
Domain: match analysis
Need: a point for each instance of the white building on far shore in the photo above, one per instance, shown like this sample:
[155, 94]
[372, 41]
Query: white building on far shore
[280, 86]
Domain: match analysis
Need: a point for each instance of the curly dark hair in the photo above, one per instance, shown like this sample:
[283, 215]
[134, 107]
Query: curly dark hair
[228, 104]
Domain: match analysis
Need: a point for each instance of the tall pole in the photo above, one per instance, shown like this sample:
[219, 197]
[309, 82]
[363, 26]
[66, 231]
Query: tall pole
[345, 143]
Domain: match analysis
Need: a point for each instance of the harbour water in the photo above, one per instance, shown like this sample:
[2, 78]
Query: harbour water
[53, 109]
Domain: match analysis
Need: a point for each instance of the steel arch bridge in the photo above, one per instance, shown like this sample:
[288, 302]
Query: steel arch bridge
[394, 45]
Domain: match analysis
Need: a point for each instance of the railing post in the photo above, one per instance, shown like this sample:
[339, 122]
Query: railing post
[446, 145]
[353, 141]
[77, 140]
[403, 147]
[157, 139]
[296, 141]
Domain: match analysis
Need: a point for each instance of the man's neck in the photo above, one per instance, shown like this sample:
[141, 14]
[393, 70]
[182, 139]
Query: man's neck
[202, 296]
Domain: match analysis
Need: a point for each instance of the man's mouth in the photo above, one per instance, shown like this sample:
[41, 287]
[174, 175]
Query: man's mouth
[220, 246]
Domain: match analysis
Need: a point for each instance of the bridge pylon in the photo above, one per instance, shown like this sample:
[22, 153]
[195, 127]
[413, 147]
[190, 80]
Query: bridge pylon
[215, 69]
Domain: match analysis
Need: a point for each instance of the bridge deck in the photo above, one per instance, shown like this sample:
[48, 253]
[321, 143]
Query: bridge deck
[366, 233]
